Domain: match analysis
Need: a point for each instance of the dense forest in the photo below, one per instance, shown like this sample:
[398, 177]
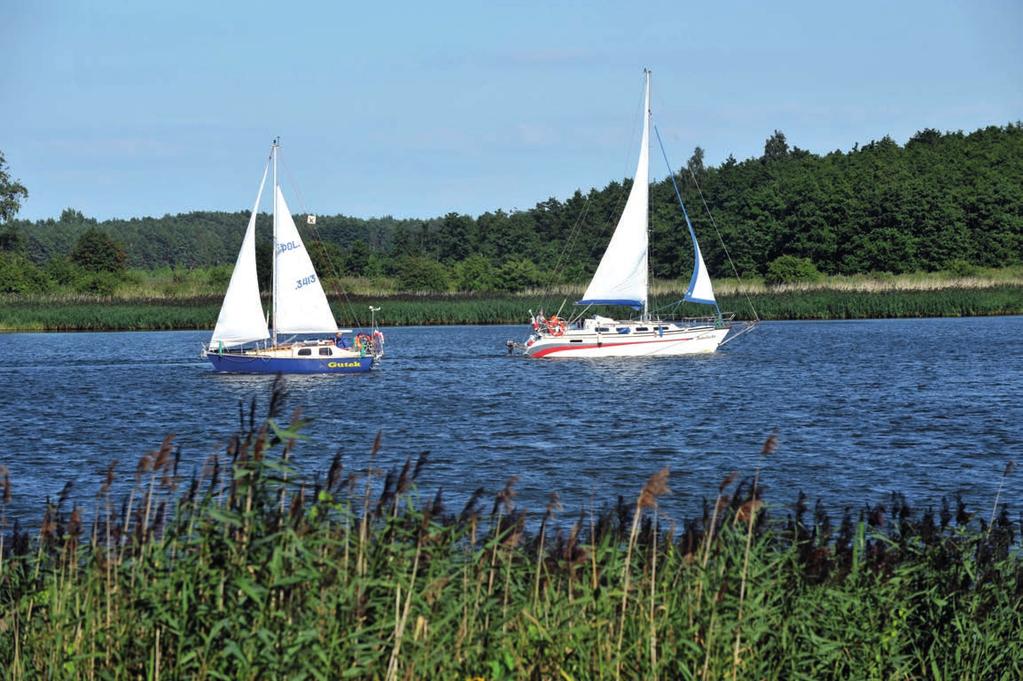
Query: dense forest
[942, 200]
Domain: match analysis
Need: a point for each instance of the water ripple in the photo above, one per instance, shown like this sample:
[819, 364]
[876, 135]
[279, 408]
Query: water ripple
[926, 407]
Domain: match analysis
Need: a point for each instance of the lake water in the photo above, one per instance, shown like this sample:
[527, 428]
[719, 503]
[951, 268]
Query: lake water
[925, 407]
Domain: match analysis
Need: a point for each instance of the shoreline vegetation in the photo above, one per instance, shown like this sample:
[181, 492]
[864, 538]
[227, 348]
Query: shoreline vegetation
[927, 228]
[253, 569]
[188, 299]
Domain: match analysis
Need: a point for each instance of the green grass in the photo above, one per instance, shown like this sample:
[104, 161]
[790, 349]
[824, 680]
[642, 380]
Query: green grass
[82, 313]
[253, 570]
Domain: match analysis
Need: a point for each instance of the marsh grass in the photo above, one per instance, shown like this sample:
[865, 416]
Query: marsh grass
[183, 298]
[247, 569]
[84, 313]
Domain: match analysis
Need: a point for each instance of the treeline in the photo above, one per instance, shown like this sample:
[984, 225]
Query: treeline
[941, 201]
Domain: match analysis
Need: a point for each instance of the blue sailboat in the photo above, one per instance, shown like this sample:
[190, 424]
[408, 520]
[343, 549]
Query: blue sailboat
[304, 337]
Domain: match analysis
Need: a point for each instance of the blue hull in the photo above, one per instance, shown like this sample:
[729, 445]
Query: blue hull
[241, 364]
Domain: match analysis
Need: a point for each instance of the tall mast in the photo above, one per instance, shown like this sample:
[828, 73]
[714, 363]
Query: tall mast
[273, 292]
[646, 122]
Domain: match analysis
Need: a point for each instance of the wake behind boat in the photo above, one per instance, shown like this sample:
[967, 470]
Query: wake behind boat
[299, 309]
[621, 279]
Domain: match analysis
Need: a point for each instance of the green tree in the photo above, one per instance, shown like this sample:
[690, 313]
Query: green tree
[404, 242]
[418, 273]
[358, 258]
[96, 251]
[457, 238]
[475, 273]
[516, 275]
[776, 147]
[12, 240]
[695, 164]
[71, 216]
[63, 271]
[12, 193]
[20, 275]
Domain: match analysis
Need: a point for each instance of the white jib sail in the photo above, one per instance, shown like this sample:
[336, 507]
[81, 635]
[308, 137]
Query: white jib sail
[621, 276]
[700, 289]
[241, 317]
[301, 304]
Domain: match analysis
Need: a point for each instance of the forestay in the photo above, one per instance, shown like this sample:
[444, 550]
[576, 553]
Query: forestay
[241, 317]
[621, 276]
[302, 306]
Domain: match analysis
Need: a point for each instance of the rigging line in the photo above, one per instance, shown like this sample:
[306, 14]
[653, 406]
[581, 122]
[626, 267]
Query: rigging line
[722, 241]
[549, 289]
[724, 248]
[338, 291]
[692, 232]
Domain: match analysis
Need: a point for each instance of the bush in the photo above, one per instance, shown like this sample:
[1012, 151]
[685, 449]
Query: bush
[789, 269]
[475, 273]
[961, 268]
[516, 275]
[97, 283]
[64, 272]
[18, 274]
[421, 274]
[219, 276]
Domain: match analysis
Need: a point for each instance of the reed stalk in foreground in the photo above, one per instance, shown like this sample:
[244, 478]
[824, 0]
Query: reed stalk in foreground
[253, 569]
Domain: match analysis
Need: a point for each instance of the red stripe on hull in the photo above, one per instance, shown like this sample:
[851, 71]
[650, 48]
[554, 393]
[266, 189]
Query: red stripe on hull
[561, 348]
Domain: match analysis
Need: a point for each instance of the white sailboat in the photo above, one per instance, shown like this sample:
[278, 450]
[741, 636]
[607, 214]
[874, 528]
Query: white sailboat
[622, 279]
[242, 342]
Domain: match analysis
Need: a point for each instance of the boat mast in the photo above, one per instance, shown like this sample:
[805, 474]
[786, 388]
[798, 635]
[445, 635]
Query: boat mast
[273, 270]
[646, 122]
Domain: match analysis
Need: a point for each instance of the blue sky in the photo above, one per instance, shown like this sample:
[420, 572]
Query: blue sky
[415, 109]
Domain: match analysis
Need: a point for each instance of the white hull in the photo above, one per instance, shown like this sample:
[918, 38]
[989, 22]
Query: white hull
[669, 342]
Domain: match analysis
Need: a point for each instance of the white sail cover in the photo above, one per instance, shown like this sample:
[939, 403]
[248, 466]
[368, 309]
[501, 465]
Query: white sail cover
[301, 304]
[241, 317]
[621, 276]
[700, 289]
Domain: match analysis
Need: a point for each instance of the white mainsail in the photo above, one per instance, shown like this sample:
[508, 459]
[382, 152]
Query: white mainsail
[301, 304]
[241, 317]
[621, 276]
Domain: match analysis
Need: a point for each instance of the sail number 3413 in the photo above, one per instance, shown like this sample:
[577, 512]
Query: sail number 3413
[305, 281]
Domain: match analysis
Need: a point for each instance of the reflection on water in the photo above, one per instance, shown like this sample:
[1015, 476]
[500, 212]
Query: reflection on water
[926, 407]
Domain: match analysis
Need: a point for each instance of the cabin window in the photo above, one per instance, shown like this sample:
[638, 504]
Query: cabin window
[602, 329]
[642, 328]
[305, 352]
[325, 351]
[576, 340]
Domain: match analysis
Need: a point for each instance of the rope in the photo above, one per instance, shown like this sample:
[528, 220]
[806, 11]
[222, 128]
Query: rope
[685, 213]
[724, 248]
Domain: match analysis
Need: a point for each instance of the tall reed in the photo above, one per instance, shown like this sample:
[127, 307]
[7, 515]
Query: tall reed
[250, 568]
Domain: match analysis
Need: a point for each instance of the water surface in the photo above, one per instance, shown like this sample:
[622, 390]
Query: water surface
[926, 407]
